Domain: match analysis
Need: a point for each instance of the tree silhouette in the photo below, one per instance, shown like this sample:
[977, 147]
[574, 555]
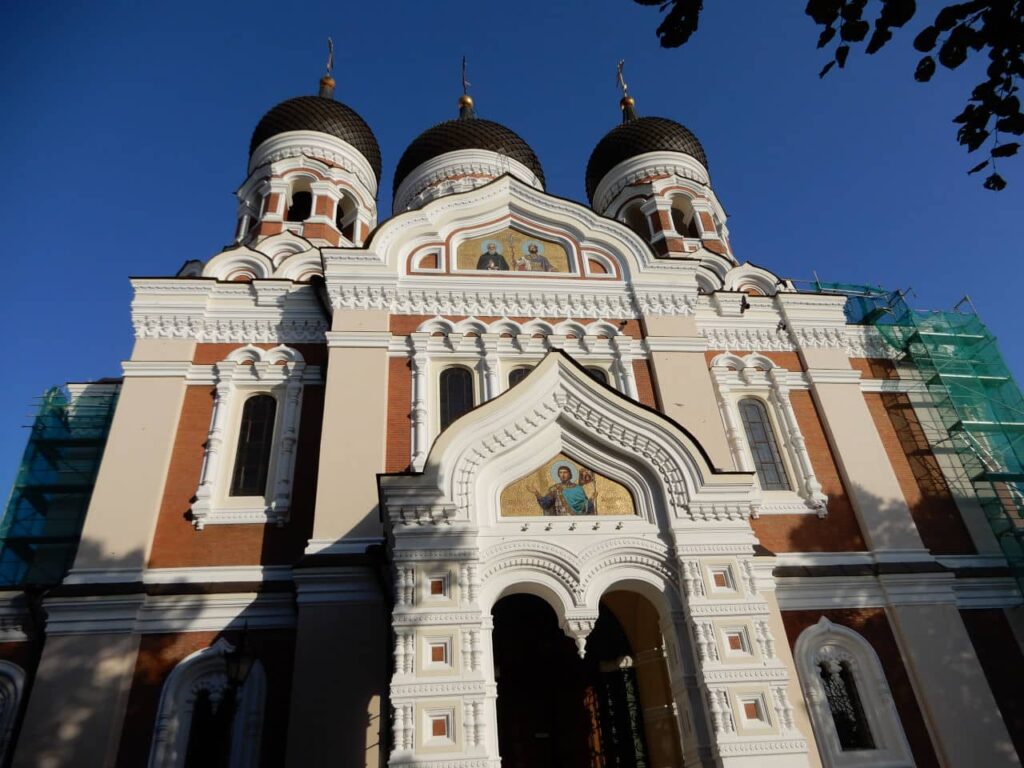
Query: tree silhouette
[992, 27]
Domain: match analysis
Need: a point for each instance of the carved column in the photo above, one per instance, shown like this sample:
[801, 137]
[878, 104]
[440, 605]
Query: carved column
[289, 439]
[214, 447]
[623, 346]
[492, 387]
[420, 398]
[780, 396]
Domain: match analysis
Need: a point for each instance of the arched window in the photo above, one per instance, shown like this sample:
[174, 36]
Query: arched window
[852, 709]
[763, 448]
[345, 218]
[456, 394]
[12, 684]
[300, 201]
[683, 217]
[255, 439]
[211, 711]
[634, 218]
[518, 374]
[598, 374]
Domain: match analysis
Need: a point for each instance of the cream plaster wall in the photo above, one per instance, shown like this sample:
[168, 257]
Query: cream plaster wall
[125, 502]
[78, 702]
[877, 498]
[958, 705]
[684, 386]
[163, 350]
[352, 448]
[339, 680]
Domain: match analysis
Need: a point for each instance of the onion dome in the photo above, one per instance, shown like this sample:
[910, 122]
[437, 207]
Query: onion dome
[321, 114]
[636, 136]
[466, 132]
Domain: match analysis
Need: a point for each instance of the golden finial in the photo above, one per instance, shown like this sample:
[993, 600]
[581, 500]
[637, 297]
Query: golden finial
[327, 81]
[465, 100]
[627, 102]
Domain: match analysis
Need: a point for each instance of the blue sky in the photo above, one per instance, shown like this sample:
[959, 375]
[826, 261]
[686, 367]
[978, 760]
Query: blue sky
[125, 130]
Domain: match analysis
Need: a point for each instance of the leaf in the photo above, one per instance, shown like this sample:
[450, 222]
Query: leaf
[854, 31]
[995, 182]
[826, 36]
[925, 69]
[841, 53]
[1006, 150]
[680, 22]
[954, 51]
[826, 68]
[952, 14]
[977, 168]
[853, 9]
[878, 39]
[1008, 105]
[1011, 124]
[896, 13]
[972, 137]
[824, 12]
[926, 39]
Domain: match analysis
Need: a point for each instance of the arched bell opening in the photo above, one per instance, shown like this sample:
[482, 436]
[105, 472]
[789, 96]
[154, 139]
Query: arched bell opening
[610, 709]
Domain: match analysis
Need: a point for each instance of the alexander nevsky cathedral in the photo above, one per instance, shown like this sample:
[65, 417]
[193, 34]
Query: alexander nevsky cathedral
[509, 479]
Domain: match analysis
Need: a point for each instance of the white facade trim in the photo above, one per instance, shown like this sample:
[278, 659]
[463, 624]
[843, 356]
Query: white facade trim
[207, 671]
[458, 171]
[249, 371]
[833, 646]
[314, 144]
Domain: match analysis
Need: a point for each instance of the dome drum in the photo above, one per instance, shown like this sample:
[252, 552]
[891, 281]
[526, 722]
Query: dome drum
[467, 147]
[458, 171]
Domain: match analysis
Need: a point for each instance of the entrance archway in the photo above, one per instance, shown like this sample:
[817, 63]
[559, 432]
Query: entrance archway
[555, 709]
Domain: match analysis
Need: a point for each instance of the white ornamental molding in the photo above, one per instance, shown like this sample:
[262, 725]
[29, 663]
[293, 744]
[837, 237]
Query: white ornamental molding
[821, 337]
[470, 167]
[748, 339]
[865, 341]
[645, 166]
[226, 330]
[329, 149]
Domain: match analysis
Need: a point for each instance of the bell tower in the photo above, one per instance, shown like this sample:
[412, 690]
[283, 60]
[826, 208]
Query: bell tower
[651, 173]
[314, 169]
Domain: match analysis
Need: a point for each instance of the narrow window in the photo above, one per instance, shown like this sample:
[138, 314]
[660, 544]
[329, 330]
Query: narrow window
[598, 374]
[456, 394]
[301, 207]
[634, 219]
[761, 439]
[255, 435]
[518, 374]
[844, 703]
[209, 733]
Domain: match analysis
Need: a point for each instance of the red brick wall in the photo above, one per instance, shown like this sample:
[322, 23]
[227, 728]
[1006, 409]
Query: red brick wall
[927, 495]
[208, 354]
[177, 544]
[1001, 659]
[645, 383]
[874, 367]
[873, 625]
[839, 531]
[159, 654]
[399, 443]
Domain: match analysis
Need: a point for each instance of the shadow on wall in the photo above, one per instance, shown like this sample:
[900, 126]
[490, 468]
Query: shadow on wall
[73, 692]
[942, 649]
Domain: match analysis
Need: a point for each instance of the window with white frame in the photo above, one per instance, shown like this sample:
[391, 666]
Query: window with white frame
[12, 686]
[249, 459]
[764, 449]
[764, 435]
[455, 394]
[211, 707]
[851, 706]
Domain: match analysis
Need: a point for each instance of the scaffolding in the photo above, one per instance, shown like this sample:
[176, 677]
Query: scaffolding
[42, 524]
[973, 391]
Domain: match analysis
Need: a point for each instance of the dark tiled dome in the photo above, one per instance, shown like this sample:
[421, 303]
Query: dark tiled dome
[316, 113]
[635, 137]
[466, 133]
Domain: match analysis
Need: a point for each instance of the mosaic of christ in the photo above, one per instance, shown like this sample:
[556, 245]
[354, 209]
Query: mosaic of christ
[512, 252]
[565, 487]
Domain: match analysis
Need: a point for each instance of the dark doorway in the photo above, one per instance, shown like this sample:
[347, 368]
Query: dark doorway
[556, 710]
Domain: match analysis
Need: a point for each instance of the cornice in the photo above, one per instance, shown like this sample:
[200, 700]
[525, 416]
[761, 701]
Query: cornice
[465, 165]
[228, 330]
[644, 166]
[329, 149]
